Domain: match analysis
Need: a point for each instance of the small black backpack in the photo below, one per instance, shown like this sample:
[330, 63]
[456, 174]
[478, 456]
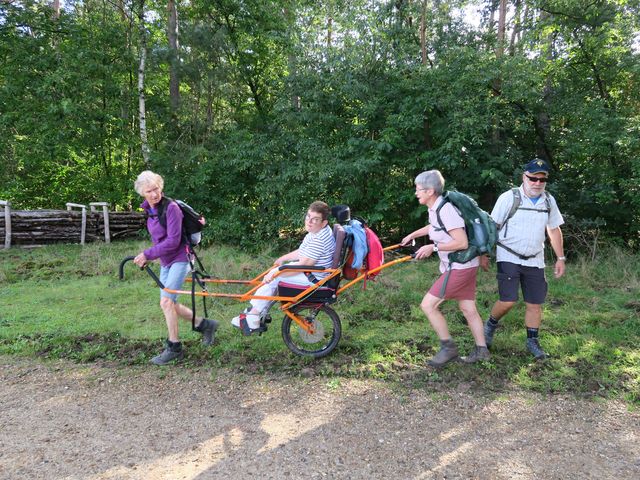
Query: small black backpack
[192, 221]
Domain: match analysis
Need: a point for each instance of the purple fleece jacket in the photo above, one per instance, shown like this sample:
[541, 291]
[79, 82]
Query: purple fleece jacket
[167, 242]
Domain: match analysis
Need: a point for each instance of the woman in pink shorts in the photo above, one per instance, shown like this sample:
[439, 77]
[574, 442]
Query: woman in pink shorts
[460, 280]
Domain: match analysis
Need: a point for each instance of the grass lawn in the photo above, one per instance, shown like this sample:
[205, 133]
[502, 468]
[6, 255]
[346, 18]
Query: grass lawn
[67, 302]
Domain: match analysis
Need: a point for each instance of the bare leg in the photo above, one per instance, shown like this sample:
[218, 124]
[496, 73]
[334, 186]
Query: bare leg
[186, 313]
[171, 317]
[470, 312]
[533, 315]
[429, 305]
[500, 309]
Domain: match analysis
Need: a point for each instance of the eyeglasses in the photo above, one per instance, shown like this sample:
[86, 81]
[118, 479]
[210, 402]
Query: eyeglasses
[536, 179]
[312, 220]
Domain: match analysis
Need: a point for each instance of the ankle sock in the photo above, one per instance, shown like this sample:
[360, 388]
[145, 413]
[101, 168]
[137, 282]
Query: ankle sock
[492, 321]
[174, 346]
[532, 332]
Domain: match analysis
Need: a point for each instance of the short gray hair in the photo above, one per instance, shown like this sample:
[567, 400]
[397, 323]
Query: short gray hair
[148, 178]
[431, 179]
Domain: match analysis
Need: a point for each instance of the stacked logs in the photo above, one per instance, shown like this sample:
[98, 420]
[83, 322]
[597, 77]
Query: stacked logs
[43, 227]
[121, 224]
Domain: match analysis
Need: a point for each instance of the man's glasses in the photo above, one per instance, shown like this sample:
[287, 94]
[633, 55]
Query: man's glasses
[536, 179]
[312, 220]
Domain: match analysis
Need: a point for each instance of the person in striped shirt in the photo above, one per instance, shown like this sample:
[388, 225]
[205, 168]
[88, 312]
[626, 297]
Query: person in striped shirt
[523, 216]
[316, 250]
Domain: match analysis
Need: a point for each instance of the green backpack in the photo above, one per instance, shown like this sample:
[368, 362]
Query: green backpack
[481, 229]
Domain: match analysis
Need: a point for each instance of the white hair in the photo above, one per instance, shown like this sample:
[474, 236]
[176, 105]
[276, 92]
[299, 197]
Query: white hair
[146, 179]
[431, 179]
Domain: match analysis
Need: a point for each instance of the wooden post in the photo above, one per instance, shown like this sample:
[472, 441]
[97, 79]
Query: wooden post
[83, 231]
[105, 215]
[7, 222]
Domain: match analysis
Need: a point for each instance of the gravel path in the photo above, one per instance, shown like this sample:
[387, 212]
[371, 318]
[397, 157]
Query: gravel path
[65, 421]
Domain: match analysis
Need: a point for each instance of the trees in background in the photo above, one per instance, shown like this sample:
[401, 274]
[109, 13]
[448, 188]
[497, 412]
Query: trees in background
[255, 108]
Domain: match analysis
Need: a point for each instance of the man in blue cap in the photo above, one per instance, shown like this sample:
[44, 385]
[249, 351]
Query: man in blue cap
[523, 216]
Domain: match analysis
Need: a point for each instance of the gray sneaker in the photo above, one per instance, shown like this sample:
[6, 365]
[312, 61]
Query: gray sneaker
[489, 330]
[533, 345]
[478, 354]
[446, 354]
[167, 356]
[208, 329]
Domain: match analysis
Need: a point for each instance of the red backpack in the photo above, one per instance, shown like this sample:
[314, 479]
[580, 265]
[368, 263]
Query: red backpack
[375, 257]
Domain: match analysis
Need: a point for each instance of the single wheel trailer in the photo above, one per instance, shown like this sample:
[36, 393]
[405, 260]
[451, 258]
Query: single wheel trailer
[310, 327]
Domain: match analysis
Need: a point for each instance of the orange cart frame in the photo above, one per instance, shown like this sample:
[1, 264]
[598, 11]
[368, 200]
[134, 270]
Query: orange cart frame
[302, 307]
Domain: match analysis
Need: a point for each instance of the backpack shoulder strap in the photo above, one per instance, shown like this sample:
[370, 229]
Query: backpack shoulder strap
[515, 204]
[517, 201]
[162, 210]
[441, 227]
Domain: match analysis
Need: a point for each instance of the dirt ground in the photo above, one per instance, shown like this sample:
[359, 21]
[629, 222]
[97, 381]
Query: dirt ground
[65, 421]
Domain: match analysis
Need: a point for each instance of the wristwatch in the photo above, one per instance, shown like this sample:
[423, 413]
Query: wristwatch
[435, 247]
[563, 258]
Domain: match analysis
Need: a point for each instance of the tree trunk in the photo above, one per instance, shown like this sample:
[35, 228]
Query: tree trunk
[426, 125]
[144, 143]
[516, 27]
[423, 32]
[496, 137]
[292, 62]
[172, 36]
[502, 17]
[543, 121]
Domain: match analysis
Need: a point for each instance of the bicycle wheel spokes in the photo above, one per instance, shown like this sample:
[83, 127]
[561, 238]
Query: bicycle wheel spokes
[325, 334]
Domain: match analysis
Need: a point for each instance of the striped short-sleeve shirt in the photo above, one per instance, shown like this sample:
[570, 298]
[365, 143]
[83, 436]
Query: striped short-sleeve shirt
[319, 247]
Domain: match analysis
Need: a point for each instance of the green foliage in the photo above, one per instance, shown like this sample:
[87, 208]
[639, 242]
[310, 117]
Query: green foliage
[283, 103]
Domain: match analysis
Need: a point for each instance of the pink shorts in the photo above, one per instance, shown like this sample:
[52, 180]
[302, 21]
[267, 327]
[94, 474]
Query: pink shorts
[461, 285]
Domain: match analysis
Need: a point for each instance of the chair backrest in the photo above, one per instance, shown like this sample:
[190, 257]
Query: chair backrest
[339, 255]
[339, 234]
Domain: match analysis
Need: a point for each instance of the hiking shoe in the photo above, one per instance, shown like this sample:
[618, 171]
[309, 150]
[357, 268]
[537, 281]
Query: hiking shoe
[446, 354]
[208, 329]
[533, 345]
[167, 356]
[479, 353]
[489, 330]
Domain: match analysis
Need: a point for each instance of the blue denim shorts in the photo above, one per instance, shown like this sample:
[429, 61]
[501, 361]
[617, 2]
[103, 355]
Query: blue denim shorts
[173, 277]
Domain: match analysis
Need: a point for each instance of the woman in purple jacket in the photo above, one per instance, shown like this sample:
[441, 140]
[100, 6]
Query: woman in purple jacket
[170, 248]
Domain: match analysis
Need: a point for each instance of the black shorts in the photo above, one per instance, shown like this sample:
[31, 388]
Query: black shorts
[532, 280]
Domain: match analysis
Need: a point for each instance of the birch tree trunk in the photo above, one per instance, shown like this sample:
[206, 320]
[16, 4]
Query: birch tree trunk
[144, 143]
[172, 36]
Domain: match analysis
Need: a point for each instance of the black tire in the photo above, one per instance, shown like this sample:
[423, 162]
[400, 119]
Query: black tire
[297, 340]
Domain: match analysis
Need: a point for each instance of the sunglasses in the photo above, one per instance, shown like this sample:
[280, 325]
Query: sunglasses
[536, 179]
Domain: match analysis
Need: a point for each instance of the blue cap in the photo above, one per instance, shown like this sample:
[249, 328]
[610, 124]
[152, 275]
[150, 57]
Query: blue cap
[537, 165]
